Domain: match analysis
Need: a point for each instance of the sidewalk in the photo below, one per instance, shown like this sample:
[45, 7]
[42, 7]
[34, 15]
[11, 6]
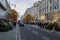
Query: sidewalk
[49, 31]
[10, 35]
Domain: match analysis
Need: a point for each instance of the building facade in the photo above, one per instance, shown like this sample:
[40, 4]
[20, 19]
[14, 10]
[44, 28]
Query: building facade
[4, 8]
[49, 10]
[34, 10]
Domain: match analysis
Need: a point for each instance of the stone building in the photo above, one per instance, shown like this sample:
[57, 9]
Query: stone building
[4, 8]
[49, 10]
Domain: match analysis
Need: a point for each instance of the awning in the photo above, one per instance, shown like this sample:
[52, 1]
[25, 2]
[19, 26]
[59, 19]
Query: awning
[2, 6]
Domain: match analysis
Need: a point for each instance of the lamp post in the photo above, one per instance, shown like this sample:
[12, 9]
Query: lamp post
[12, 4]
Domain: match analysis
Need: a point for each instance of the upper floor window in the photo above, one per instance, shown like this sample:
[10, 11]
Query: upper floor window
[56, 1]
[50, 1]
[56, 7]
[50, 7]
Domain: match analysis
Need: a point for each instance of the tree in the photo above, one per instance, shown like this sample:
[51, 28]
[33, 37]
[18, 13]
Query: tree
[29, 18]
[13, 15]
[33, 19]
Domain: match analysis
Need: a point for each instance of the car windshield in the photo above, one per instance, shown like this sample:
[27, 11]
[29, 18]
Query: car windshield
[29, 19]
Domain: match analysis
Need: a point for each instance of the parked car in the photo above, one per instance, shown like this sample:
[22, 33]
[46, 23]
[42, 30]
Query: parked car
[5, 25]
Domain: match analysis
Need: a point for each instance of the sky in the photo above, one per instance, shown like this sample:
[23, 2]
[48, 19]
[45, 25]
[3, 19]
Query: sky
[21, 5]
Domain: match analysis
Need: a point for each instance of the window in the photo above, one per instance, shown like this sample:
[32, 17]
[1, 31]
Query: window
[50, 1]
[56, 4]
[56, 7]
[39, 11]
[57, 0]
[50, 7]
[47, 7]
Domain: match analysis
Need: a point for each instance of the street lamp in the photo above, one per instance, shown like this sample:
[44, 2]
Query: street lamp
[12, 4]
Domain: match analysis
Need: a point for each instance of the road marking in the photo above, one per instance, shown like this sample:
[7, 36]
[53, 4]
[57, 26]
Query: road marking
[32, 31]
[45, 38]
[29, 29]
[35, 32]
[17, 33]
[49, 31]
[19, 36]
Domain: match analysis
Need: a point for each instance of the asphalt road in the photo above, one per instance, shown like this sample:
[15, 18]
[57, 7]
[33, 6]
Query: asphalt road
[32, 33]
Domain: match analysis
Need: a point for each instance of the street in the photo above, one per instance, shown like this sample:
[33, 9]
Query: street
[29, 20]
[32, 33]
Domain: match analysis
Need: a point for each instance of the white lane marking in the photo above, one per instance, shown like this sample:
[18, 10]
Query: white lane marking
[29, 29]
[35, 32]
[14, 35]
[45, 38]
[19, 36]
[48, 31]
[32, 31]
[26, 27]
[17, 33]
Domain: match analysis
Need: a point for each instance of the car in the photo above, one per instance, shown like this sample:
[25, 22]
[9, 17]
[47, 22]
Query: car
[5, 25]
[21, 24]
